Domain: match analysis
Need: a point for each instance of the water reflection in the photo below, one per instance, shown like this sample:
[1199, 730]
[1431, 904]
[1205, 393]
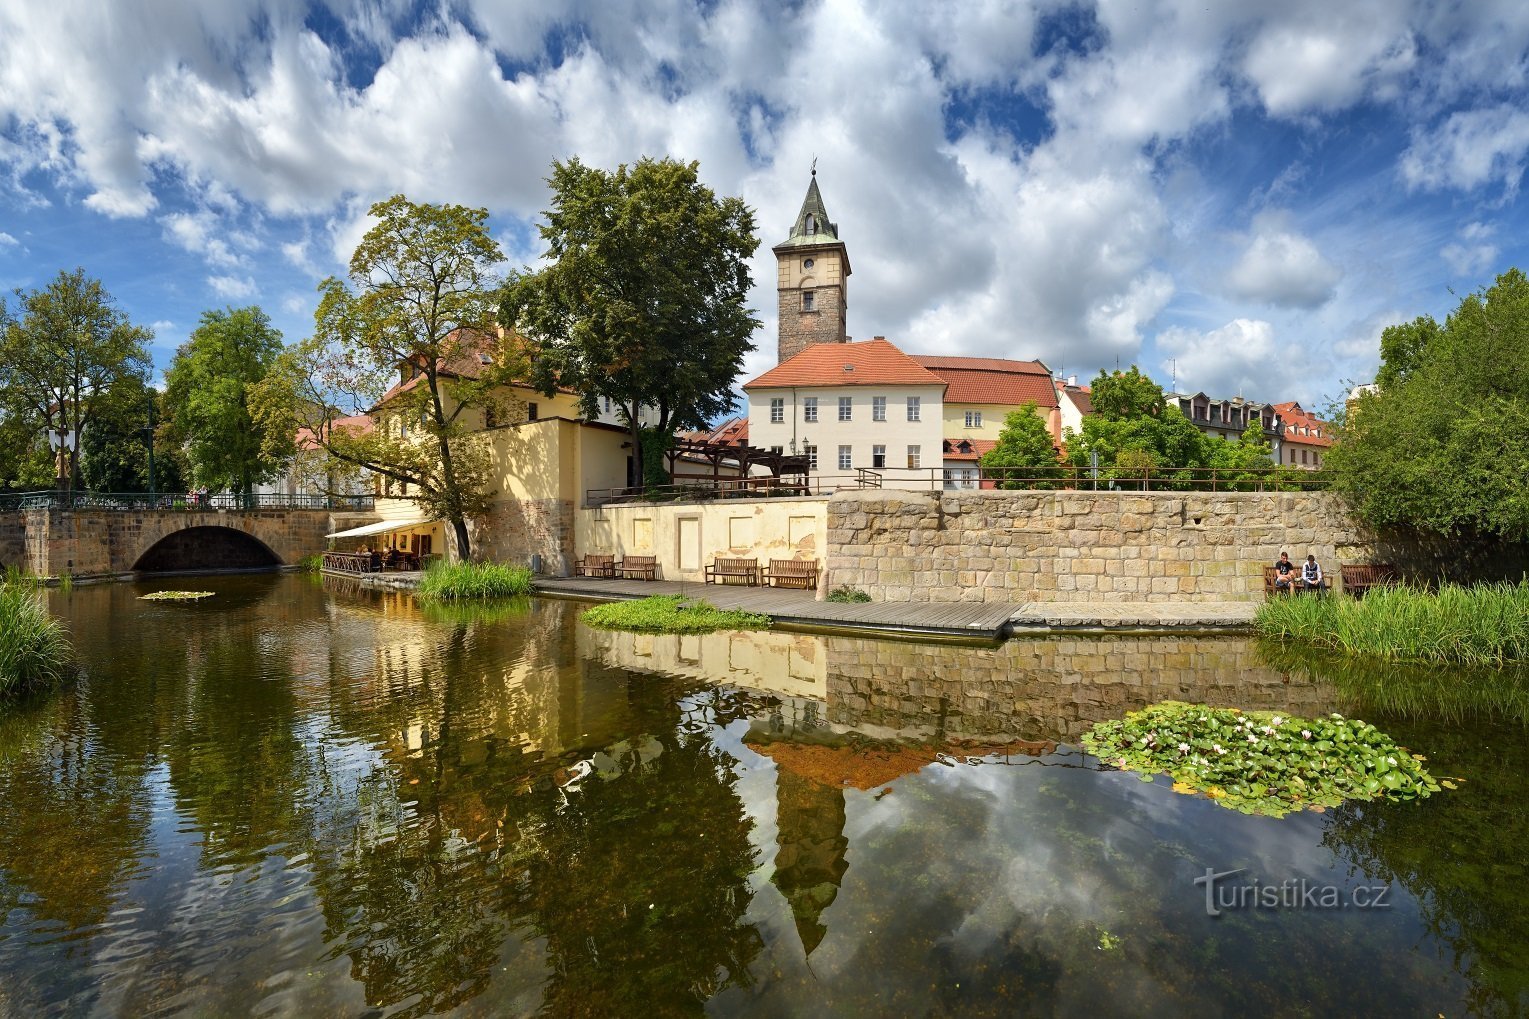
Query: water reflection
[301, 800]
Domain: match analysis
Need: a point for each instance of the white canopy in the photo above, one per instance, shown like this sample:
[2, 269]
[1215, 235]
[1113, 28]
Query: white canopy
[382, 528]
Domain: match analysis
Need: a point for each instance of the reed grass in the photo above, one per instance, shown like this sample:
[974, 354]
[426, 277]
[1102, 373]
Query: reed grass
[34, 646]
[1486, 624]
[672, 613]
[445, 580]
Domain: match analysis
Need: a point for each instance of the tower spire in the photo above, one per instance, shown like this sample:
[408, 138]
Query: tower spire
[813, 268]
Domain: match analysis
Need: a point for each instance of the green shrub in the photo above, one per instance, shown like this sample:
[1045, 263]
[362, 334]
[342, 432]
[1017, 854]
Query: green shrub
[1259, 762]
[672, 613]
[34, 646]
[845, 593]
[1483, 625]
[474, 580]
[311, 563]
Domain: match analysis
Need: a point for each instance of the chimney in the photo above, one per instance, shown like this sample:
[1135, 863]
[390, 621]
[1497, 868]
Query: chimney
[879, 337]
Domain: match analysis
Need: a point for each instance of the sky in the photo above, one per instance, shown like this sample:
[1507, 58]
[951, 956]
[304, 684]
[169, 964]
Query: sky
[1238, 197]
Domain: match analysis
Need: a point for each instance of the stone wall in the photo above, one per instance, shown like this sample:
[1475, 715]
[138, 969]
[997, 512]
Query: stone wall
[1053, 688]
[515, 529]
[13, 540]
[1079, 546]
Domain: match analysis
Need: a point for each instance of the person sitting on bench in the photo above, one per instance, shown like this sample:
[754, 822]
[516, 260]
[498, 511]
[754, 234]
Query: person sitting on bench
[1311, 574]
[1284, 573]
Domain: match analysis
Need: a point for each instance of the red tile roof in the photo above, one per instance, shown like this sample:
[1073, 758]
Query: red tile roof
[733, 431]
[1295, 417]
[993, 380]
[867, 363]
[952, 448]
[360, 424]
[1082, 396]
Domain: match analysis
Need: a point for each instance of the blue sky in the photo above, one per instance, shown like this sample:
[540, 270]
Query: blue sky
[1242, 194]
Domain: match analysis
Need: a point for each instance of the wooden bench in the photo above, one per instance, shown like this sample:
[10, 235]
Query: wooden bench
[746, 570]
[1360, 577]
[801, 573]
[1297, 585]
[595, 566]
[641, 566]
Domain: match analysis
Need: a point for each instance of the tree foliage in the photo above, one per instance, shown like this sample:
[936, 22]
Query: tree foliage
[207, 395]
[644, 300]
[411, 335]
[64, 355]
[1443, 445]
[1025, 456]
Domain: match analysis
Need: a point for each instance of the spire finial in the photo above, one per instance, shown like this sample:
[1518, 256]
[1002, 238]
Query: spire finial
[814, 166]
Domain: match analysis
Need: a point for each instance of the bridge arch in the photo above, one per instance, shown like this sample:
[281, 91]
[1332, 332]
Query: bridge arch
[206, 548]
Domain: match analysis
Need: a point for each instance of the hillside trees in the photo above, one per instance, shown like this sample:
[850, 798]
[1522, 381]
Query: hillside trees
[644, 300]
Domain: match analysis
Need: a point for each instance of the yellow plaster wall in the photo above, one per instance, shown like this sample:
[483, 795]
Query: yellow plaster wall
[792, 664]
[954, 420]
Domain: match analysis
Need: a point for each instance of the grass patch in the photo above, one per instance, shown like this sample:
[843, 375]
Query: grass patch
[445, 580]
[846, 594]
[481, 612]
[672, 613]
[1487, 624]
[1259, 762]
[34, 646]
[311, 563]
[175, 596]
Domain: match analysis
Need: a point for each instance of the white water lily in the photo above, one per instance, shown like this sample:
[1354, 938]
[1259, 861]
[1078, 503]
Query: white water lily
[1184, 749]
[1253, 740]
[1306, 733]
[1278, 720]
[1269, 729]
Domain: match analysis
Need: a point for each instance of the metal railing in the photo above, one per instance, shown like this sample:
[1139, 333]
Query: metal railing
[941, 479]
[132, 501]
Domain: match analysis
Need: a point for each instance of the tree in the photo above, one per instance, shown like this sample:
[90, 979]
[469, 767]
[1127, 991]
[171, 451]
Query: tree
[412, 340]
[1025, 456]
[1134, 431]
[644, 302]
[61, 360]
[1245, 464]
[207, 394]
[1443, 446]
[114, 452]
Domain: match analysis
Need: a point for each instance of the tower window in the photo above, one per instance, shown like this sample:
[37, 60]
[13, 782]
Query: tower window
[812, 223]
[808, 301]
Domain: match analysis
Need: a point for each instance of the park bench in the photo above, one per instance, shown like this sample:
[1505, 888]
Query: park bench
[801, 573]
[1360, 577]
[641, 566]
[595, 566]
[1297, 585]
[720, 570]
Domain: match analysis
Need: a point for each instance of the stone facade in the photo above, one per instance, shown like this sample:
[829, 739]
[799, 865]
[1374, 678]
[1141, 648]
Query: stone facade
[1079, 546]
[825, 323]
[515, 529]
[13, 540]
[103, 542]
[1052, 689]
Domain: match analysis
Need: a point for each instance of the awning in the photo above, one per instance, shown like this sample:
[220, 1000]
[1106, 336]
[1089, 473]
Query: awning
[382, 528]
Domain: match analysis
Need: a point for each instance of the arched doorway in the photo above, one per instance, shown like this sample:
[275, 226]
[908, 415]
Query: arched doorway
[206, 548]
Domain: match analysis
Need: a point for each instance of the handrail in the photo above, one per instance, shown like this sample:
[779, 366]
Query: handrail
[133, 501]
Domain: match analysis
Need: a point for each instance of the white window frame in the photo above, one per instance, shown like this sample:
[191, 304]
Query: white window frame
[846, 408]
[846, 458]
[809, 408]
[878, 408]
[878, 458]
[777, 410]
[811, 452]
[915, 408]
[974, 419]
[915, 452]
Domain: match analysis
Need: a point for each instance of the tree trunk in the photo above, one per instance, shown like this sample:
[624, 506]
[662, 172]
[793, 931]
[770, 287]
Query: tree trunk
[464, 547]
[639, 465]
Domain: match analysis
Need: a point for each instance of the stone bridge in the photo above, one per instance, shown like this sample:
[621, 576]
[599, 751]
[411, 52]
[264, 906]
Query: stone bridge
[105, 542]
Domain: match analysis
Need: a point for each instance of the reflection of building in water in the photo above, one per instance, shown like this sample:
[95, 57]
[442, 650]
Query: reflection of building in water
[789, 664]
[809, 860]
[1052, 688]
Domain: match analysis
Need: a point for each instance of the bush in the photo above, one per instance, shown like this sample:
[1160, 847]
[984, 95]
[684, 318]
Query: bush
[846, 594]
[474, 580]
[672, 613]
[34, 646]
[1483, 625]
[311, 563]
[1258, 762]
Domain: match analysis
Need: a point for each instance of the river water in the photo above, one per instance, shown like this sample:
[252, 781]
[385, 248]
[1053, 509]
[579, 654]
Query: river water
[300, 799]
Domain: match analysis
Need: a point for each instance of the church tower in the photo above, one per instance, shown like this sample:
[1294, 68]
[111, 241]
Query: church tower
[813, 267]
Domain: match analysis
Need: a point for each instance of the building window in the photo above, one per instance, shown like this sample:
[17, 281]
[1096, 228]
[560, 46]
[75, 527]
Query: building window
[878, 457]
[607, 401]
[846, 460]
[777, 410]
[808, 301]
[878, 408]
[913, 452]
[913, 407]
[778, 450]
[809, 408]
[950, 480]
[844, 408]
[530, 412]
[811, 452]
[1303, 456]
[974, 419]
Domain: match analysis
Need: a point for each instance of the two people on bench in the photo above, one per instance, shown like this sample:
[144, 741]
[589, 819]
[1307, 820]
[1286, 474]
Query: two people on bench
[1287, 577]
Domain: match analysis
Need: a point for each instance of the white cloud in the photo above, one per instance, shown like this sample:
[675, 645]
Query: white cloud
[7, 241]
[199, 233]
[1282, 267]
[1470, 149]
[233, 288]
[1473, 252]
[1316, 56]
[1235, 359]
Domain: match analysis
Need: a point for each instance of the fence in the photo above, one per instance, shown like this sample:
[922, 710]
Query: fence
[133, 501]
[956, 479]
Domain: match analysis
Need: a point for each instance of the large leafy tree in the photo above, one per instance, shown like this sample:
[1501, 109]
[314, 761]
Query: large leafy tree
[114, 452]
[1025, 456]
[644, 300]
[207, 394]
[1134, 430]
[409, 337]
[1443, 447]
[65, 353]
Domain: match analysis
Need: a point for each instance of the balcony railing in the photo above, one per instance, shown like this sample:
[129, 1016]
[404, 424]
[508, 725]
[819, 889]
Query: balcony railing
[134, 501]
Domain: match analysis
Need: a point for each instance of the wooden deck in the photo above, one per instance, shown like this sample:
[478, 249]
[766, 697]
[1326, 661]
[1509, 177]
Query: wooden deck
[798, 609]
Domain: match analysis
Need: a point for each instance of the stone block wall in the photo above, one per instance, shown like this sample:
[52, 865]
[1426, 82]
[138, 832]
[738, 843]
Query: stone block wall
[13, 540]
[515, 529]
[1053, 688]
[1079, 546]
[101, 542]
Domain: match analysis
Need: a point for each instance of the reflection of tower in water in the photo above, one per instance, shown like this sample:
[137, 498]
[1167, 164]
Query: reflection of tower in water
[809, 860]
